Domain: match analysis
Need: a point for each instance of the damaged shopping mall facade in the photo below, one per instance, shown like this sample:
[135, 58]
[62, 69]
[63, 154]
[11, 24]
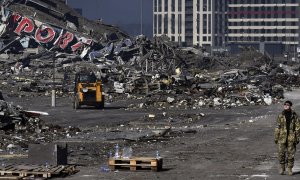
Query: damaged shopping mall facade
[265, 25]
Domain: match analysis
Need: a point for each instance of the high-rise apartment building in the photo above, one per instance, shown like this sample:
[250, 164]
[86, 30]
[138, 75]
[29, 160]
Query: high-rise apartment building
[219, 23]
[169, 19]
[190, 22]
[264, 21]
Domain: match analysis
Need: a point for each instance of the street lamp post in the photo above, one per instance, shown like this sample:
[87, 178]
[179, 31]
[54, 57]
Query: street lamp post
[53, 103]
[141, 17]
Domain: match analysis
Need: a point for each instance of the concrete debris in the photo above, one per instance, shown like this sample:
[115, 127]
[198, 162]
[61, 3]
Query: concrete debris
[45, 51]
[19, 127]
[141, 66]
[161, 132]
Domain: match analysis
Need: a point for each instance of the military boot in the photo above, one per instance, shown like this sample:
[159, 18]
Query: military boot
[282, 169]
[290, 171]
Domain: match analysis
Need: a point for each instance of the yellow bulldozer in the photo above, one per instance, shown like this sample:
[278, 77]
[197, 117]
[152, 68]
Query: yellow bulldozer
[88, 91]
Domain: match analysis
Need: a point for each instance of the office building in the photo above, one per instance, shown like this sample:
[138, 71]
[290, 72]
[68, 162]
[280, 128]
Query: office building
[271, 25]
[190, 22]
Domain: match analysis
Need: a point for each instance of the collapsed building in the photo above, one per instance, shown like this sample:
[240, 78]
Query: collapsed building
[45, 45]
[48, 43]
[42, 39]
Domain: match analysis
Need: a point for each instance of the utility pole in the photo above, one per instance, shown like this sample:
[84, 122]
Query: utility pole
[53, 103]
[141, 17]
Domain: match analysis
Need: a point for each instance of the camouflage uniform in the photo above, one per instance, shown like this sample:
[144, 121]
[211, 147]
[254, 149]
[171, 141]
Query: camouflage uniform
[287, 137]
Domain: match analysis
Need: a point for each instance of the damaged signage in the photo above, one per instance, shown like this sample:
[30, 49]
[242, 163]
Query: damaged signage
[48, 36]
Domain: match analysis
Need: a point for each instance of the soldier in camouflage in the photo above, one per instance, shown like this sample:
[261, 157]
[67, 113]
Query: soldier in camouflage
[287, 134]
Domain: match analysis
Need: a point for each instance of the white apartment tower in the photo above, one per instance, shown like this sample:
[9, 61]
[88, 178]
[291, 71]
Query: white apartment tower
[268, 25]
[191, 22]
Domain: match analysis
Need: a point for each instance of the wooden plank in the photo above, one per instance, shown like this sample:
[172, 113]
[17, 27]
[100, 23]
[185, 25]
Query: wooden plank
[136, 163]
[32, 177]
[9, 177]
[9, 168]
[40, 171]
[23, 169]
[5, 167]
[146, 165]
[55, 169]
[59, 169]
[37, 169]
[69, 169]
[132, 165]
[111, 161]
[136, 158]
[154, 166]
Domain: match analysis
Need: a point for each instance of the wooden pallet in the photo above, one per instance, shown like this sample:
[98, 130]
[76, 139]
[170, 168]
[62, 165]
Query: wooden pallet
[136, 163]
[25, 171]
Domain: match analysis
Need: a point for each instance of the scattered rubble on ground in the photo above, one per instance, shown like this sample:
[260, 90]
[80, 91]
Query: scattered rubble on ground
[164, 75]
[157, 72]
[19, 127]
[129, 65]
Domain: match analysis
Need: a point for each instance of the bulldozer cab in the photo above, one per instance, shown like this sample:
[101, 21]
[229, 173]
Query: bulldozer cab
[85, 78]
[88, 91]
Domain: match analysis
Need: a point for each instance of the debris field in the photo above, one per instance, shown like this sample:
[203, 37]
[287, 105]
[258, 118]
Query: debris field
[156, 93]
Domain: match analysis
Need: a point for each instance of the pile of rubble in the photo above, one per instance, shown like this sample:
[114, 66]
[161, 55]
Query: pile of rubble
[37, 57]
[18, 128]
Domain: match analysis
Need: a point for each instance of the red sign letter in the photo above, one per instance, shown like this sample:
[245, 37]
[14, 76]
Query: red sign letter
[76, 46]
[16, 18]
[44, 34]
[25, 25]
[64, 40]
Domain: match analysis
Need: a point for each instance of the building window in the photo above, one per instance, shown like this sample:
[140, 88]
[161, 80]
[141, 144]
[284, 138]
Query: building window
[180, 5]
[155, 24]
[204, 5]
[159, 6]
[204, 23]
[173, 5]
[159, 24]
[198, 23]
[166, 5]
[179, 24]
[165, 24]
[209, 24]
[173, 24]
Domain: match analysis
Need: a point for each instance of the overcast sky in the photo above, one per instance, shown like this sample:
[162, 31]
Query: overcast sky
[115, 11]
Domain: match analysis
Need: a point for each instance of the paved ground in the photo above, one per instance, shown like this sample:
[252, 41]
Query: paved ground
[228, 144]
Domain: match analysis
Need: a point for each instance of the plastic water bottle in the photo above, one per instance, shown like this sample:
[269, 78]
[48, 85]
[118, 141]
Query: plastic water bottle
[117, 155]
[157, 155]
[3, 165]
[110, 154]
[104, 169]
[46, 166]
